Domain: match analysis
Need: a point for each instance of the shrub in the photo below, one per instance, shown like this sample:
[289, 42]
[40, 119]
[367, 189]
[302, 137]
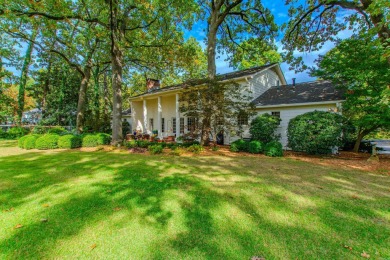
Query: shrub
[273, 149]
[255, 147]
[239, 146]
[21, 141]
[155, 149]
[47, 141]
[69, 141]
[58, 130]
[103, 139]
[142, 143]
[214, 148]
[39, 130]
[30, 142]
[16, 132]
[3, 134]
[263, 128]
[315, 132]
[195, 148]
[177, 151]
[131, 144]
[90, 141]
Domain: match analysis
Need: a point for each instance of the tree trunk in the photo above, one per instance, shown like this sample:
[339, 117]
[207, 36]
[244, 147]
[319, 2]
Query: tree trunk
[82, 98]
[96, 107]
[106, 102]
[211, 52]
[46, 88]
[117, 66]
[358, 141]
[24, 75]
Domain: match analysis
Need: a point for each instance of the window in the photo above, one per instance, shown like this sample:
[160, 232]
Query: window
[174, 125]
[219, 120]
[162, 125]
[242, 119]
[276, 114]
[181, 125]
[151, 124]
[191, 124]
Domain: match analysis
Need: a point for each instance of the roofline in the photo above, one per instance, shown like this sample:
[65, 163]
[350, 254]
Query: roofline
[301, 104]
[141, 96]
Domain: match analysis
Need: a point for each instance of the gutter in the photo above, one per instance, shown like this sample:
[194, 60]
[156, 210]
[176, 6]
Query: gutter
[301, 104]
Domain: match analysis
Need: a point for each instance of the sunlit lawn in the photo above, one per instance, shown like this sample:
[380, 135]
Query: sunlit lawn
[116, 205]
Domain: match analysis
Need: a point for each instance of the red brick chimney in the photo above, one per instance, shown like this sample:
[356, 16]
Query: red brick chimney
[152, 84]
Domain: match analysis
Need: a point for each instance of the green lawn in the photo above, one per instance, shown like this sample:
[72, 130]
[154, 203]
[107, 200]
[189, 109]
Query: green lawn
[116, 205]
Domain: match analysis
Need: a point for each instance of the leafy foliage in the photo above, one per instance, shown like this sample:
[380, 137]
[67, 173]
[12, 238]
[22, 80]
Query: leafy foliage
[47, 141]
[69, 141]
[239, 146]
[16, 132]
[155, 149]
[263, 128]
[58, 130]
[21, 141]
[30, 141]
[195, 148]
[315, 132]
[358, 67]
[93, 140]
[273, 149]
[255, 147]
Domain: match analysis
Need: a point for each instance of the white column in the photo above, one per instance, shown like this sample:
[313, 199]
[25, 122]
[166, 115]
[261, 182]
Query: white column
[132, 113]
[159, 113]
[145, 117]
[177, 116]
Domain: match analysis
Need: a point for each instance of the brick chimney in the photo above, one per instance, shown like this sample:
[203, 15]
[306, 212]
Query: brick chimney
[152, 84]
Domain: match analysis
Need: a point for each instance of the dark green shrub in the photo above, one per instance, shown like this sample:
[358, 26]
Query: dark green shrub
[155, 149]
[273, 149]
[30, 141]
[214, 148]
[263, 128]
[21, 141]
[39, 130]
[47, 141]
[315, 132]
[239, 146]
[188, 144]
[58, 130]
[3, 134]
[69, 141]
[16, 132]
[90, 141]
[255, 147]
[142, 143]
[195, 148]
[103, 139]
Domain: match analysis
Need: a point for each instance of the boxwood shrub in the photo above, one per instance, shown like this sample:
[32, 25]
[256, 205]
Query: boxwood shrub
[263, 128]
[273, 149]
[93, 140]
[29, 142]
[69, 141]
[255, 147]
[47, 141]
[195, 148]
[21, 141]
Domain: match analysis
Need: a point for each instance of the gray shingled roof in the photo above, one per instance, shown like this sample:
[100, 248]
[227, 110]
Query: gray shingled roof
[196, 82]
[315, 91]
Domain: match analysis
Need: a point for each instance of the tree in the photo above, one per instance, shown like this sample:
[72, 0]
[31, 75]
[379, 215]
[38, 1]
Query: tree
[314, 22]
[230, 103]
[254, 52]
[358, 67]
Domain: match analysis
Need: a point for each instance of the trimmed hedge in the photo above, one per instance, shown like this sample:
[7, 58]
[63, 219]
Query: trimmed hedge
[195, 148]
[21, 141]
[47, 141]
[255, 147]
[263, 128]
[273, 149]
[93, 140]
[29, 142]
[69, 141]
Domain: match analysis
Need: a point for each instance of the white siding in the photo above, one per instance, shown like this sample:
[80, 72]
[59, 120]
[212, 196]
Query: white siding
[263, 81]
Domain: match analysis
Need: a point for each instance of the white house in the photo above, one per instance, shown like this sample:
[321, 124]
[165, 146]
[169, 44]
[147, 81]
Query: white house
[158, 108]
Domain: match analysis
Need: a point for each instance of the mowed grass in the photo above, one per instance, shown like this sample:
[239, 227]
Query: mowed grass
[116, 205]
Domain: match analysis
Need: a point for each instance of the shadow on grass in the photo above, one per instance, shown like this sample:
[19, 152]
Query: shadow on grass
[230, 208]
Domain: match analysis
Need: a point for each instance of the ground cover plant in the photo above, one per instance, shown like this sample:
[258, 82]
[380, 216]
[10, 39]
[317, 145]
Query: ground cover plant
[73, 204]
